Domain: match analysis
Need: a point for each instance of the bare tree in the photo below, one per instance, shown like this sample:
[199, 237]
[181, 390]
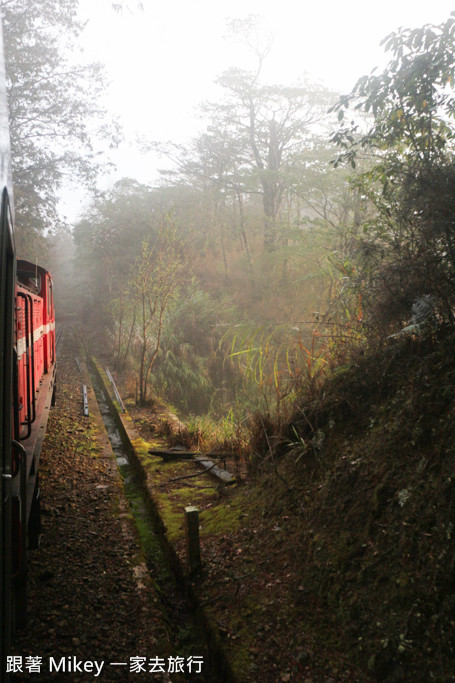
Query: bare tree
[155, 285]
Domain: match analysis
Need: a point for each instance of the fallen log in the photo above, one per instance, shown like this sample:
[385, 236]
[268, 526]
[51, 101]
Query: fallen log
[177, 453]
[173, 454]
[201, 460]
[209, 466]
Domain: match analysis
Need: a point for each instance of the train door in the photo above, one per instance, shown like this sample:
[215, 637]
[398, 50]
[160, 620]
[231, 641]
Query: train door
[7, 298]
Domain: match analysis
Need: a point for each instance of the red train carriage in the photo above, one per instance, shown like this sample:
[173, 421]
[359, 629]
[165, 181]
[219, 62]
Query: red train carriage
[33, 392]
[27, 391]
[34, 339]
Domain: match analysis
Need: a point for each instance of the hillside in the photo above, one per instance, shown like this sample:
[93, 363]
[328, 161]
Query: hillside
[374, 491]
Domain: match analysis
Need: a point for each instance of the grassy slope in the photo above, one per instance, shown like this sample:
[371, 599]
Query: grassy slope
[375, 492]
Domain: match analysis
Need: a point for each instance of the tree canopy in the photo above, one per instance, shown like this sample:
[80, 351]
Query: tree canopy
[407, 248]
[411, 102]
[55, 111]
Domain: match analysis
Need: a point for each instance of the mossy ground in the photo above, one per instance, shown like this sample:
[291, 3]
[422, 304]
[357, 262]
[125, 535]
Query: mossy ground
[176, 485]
[240, 586]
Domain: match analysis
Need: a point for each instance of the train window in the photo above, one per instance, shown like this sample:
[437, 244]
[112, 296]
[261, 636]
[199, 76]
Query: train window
[29, 279]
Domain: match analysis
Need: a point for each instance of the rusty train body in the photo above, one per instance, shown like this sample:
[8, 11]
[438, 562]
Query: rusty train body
[27, 391]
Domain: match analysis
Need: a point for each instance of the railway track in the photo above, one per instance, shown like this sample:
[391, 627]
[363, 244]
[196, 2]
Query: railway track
[187, 632]
[94, 593]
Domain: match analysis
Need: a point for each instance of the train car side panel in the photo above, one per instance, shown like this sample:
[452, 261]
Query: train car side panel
[7, 299]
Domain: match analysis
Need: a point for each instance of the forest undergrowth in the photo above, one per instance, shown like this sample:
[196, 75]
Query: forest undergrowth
[361, 470]
[366, 468]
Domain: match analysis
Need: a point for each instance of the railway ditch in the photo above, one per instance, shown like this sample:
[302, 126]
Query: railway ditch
[190, 629]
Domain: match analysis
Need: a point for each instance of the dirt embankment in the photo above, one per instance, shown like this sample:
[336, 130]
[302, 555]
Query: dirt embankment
[372, 499]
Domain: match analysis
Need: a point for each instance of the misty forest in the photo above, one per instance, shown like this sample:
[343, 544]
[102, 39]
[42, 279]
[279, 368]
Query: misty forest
[284, 294]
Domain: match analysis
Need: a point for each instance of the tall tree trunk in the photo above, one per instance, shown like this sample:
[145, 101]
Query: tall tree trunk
[142, 381]
[119, 340]
[269, 218]
[244, 237]
[125, 355]
[223, 251]
[271, 189]
[142, 388]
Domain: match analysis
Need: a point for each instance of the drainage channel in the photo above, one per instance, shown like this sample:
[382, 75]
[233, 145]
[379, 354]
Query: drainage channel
[186, 634]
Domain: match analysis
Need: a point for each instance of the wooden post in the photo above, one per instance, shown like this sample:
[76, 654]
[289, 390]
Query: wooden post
[85, 399]
[192, 538]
